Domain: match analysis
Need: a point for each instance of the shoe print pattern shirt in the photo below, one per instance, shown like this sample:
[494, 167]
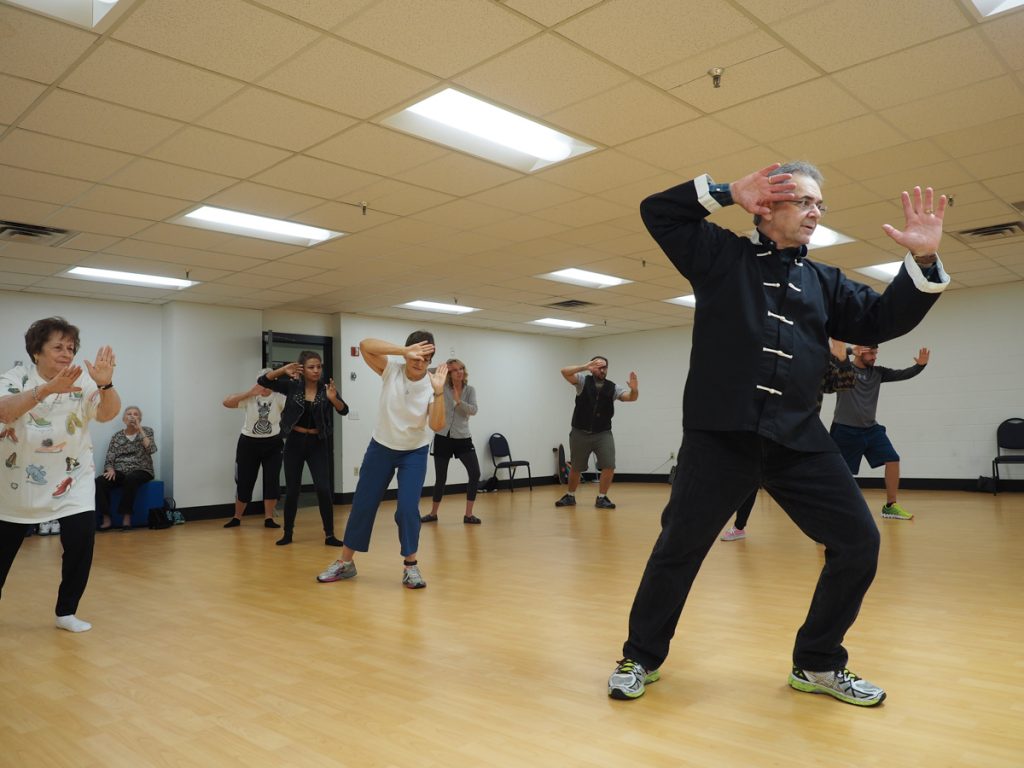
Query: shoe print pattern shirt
[47, 469]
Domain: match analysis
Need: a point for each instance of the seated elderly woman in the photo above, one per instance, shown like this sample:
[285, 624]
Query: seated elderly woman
[129, 465]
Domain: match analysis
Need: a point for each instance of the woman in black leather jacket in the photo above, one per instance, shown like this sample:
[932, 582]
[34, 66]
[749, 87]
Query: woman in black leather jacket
[307, 422]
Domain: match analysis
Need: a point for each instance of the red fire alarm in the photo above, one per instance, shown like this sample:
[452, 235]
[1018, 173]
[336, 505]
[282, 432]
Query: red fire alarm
[354, 351]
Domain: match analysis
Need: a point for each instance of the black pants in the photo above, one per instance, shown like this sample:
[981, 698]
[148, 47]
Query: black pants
[77, 534]
[251, 454]
[299, 449]
[129, 483]
[461, 448]
[743, 513]
[717, 471]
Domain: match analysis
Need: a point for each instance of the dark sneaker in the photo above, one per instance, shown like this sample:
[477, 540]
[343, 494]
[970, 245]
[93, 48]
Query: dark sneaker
[337, 571]
[566, 501]
[412, 578]
[603, 502]
[629, 680]
[842, 684]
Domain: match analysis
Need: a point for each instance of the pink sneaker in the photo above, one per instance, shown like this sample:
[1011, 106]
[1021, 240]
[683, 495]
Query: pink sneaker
[733, 534]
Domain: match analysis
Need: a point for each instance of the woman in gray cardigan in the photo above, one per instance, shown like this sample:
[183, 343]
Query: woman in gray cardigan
[455, 440]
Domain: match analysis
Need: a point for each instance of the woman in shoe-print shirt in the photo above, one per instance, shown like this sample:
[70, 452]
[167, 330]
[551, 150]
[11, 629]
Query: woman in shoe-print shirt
[46, 455]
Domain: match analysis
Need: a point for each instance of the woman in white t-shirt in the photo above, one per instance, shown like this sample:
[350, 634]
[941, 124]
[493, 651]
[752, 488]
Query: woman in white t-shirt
[411, 399]
[259, 446]
[46, 458]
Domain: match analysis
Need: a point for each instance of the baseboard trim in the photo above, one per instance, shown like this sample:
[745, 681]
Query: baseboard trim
[214, 511]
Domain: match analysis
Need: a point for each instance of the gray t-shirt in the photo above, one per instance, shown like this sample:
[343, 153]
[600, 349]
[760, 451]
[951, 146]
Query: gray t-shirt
[857, 407]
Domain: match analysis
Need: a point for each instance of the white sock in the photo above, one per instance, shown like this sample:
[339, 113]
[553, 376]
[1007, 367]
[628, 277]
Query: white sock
[602, 495]
[73, 624]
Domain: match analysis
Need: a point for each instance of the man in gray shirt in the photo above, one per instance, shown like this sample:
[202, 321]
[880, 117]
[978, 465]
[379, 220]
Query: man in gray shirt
[592, 425]
[855, 430]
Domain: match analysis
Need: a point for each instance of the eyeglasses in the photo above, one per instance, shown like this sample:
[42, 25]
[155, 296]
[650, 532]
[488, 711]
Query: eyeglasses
[806, 203]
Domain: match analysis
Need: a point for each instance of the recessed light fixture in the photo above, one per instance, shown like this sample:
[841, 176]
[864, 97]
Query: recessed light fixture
[684, 301]
[464, 122]
[823, 237]
[84, 13]
[554, 322]
[129, 278]
[250, 225]
[434, 306]
[991, 7]
[884, 272]
[584, 278]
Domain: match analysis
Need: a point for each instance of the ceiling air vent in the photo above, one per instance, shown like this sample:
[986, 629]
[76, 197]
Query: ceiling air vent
[993, 233]
[570, 304]
[32, 234]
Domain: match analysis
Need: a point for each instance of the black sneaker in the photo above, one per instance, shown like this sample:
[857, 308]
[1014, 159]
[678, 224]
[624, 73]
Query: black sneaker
[603, 502]
[566, 501]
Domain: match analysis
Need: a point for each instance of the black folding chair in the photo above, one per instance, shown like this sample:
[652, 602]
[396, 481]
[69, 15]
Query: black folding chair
[499, 449]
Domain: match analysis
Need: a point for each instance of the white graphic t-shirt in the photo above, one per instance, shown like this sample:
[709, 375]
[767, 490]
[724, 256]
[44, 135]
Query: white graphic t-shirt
[46, 460]
[263, 415]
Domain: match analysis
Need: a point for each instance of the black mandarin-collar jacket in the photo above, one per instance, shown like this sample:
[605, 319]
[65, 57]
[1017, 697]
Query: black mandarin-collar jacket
[763, 320]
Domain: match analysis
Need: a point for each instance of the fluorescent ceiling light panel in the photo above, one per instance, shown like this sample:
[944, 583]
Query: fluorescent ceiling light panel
[250, 225]
[883, 272]
[992, 7]
[554, 322]
[129, 278]
[434, 306]
[683, 301]
[463, 122]
[83, 13]
[823, 237]
[584, 278]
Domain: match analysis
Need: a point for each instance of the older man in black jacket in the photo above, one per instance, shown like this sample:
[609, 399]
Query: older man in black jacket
[764, 315]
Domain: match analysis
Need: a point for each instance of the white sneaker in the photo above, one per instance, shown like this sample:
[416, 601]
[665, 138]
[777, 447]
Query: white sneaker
[73, 624]
[54, 527]
[337, 571]
[44, 528]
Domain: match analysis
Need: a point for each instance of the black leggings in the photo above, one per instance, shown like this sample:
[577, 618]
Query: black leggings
[463, 450]
[251, 454]
[743, 512]
[299, 449]
[129, 483]
[77, 535]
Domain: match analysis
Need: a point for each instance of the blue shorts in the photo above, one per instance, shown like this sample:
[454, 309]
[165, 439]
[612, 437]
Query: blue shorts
[863, 442]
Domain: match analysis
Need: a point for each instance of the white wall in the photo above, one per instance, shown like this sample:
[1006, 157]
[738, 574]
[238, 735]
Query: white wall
[179, 361]
[132, 330]
[516, 376]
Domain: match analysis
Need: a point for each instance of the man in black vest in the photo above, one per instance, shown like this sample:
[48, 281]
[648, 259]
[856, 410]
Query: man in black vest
[592, 425]
[765, 312]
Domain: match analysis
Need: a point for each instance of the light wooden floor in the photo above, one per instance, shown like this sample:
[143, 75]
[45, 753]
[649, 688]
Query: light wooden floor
[215, 648]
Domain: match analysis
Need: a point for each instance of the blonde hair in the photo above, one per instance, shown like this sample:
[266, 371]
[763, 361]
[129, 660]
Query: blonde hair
[465, 372]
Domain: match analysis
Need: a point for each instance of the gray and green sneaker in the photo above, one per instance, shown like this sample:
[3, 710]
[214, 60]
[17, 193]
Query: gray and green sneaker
[412, 578]
[842, 684]
[629, 680]
[337, 571]
[895, 512]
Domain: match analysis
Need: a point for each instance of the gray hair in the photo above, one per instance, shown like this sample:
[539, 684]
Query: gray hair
[797, 168]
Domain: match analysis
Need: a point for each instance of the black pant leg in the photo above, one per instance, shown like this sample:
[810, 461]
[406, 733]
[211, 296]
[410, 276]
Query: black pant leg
[247, 466]
[11, 536]
[270, 459]
[293, 458]
[442, 458]
[820, 495]
[77, 536]
[470, 461]
[103, 489]
[716, 472]
[317, 460]
[130, 483]
[743, 513]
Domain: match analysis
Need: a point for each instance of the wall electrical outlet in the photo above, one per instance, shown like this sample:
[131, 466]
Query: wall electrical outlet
[355, 471]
